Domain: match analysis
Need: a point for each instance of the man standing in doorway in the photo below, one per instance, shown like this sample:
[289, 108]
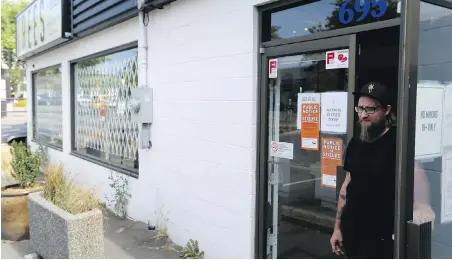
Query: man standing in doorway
[365, 218]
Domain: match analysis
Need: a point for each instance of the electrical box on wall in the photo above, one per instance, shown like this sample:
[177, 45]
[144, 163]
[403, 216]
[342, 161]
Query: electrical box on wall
[140, 106]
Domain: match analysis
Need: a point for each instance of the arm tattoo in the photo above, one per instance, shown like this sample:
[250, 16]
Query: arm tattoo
[342, 196]
[339, 213]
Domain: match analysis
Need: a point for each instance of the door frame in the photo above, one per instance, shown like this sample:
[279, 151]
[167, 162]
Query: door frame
[406, 123]
[260, 238]
[263, 210]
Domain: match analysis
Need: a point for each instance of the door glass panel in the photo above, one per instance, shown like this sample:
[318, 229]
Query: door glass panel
[324, 15]
[433, 147]
[304, 206]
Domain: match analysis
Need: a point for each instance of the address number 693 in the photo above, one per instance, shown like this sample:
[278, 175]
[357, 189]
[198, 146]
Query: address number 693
[376, 8]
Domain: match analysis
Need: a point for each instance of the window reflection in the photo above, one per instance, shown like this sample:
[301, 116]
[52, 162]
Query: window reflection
[433, 152]
[47, 96]
[318, 16]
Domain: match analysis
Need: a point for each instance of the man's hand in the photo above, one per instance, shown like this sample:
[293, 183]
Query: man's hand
[423, 213]
[336, 242]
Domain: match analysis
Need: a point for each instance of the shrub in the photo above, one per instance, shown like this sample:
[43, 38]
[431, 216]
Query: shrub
[64, 193]
[25, 164]
[192, 251]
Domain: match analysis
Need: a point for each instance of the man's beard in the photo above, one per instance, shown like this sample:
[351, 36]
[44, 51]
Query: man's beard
[372, 131]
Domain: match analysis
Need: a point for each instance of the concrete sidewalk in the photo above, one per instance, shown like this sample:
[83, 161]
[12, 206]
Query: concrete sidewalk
[123, 239]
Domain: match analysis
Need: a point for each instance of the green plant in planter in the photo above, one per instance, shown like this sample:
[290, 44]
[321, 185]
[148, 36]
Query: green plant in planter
[192, 251]
[25, 164]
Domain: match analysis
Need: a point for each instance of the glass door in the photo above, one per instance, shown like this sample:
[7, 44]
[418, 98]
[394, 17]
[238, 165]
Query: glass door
[310, 120]
[427, 164]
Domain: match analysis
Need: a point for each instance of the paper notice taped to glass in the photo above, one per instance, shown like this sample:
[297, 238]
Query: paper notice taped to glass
[331, 157]
[309, 120]
[281, 150]
[447, 121]
[334, 112]
[337, 59]
[429, 120]
[446, 188]
[329, 180]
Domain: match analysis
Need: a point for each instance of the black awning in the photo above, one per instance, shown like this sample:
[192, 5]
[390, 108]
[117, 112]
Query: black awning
[150, 5]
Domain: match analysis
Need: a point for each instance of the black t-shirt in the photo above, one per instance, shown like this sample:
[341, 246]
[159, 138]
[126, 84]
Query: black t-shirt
[369, 211]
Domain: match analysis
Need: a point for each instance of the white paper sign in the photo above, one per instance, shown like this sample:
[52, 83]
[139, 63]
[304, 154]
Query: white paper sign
[447, 121]
[337, 59]
[446, 188]
[273, 68]
[310, 143]
[329, 180]
[281, 150]
[334, 112]
[429, 118]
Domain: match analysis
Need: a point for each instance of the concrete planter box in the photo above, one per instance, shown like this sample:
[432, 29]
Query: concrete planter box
[55, 233]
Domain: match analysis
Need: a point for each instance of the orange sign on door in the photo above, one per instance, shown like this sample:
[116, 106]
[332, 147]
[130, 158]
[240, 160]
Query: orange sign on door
[310, 126]
[331, 157]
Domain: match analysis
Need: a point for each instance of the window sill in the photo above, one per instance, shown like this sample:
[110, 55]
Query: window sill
[127, 171]
[55, 147]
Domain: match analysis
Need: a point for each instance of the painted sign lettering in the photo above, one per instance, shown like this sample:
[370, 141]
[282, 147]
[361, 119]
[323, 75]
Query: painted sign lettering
[40, 26]
[361, 9]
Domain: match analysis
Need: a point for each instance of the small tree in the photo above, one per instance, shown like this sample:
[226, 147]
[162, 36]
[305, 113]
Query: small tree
[9, 11]
[25, 164]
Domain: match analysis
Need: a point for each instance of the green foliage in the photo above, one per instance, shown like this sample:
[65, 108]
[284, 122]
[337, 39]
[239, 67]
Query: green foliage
[120, 184]
[275, 33]
[192, 251]
[25, 164]
[9, 11]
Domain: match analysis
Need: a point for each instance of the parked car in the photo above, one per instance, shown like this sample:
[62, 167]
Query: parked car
[49, 99]
[16, 133]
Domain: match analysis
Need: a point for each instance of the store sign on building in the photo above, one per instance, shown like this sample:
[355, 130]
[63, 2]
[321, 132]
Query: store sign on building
[42, 25]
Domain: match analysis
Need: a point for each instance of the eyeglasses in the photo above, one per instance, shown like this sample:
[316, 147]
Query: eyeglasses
[369, 110]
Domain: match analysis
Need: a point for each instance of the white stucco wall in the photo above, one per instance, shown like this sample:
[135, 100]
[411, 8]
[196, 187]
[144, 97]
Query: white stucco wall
[203, 69]
[88, 173]
[199, 177]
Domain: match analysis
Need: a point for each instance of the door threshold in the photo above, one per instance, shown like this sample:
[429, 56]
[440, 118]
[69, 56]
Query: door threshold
[311, 216]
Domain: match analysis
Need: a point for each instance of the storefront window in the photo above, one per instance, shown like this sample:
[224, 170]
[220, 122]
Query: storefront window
[47, 107]
[326, 15]
[103, 126]
[433, 149]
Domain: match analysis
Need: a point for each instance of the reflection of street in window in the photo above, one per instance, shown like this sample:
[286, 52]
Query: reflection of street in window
[48, 106]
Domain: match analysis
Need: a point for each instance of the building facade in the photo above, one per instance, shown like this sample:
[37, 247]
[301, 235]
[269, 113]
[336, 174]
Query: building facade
[217, 112]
